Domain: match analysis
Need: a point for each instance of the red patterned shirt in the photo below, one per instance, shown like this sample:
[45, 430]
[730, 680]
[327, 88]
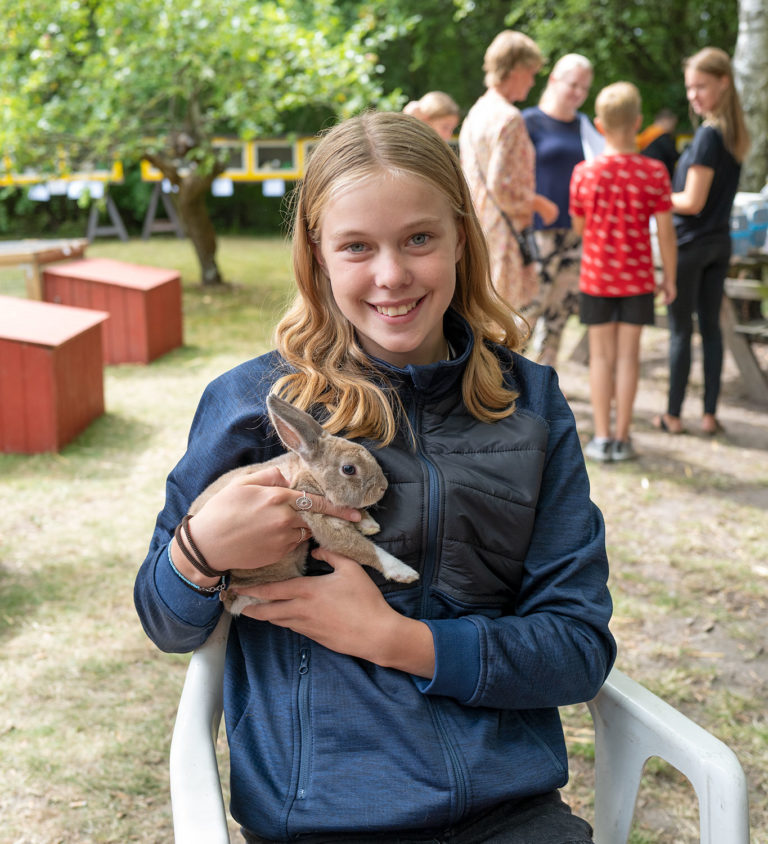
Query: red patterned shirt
[617, 195]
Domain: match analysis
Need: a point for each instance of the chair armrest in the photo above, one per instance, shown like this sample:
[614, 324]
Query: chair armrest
[632, 725]
[199, 816]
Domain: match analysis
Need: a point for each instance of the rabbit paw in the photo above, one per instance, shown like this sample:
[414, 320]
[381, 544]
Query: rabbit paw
[393, 569]
[235, 604]
[368, 526]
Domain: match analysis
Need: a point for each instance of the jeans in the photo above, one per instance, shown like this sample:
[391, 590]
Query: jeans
[701, 270]
[544, 819]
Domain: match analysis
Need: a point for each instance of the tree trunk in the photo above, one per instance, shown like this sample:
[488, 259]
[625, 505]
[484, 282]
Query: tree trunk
[193, 212]
[193, 188]
[751, 71]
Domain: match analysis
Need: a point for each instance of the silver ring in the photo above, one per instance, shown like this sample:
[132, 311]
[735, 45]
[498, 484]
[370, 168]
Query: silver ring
[303, 531]
[303, 502]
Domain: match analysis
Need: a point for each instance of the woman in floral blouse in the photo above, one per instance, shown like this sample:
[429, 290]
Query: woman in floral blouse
[498, 159]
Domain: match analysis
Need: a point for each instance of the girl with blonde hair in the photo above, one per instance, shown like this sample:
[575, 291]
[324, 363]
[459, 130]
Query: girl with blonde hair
[359, 709]
[438, 110]
[704, 187]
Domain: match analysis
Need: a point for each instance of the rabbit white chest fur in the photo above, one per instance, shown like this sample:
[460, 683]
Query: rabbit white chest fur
[344, 472]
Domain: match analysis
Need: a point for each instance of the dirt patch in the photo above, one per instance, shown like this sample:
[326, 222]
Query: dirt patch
[687, 534]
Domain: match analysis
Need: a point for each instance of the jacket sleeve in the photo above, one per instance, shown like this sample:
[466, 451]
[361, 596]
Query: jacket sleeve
[228, 430]
[557, 648]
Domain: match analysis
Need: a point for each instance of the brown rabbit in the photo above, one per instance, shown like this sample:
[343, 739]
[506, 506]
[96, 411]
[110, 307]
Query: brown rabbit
[344, 472]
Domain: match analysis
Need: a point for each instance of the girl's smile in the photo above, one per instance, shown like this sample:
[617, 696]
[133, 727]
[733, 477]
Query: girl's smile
[389, 246]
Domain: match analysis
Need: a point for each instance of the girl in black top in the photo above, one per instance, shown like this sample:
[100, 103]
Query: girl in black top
[704, 187]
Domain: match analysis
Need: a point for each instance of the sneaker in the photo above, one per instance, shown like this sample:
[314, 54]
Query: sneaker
[623, 450]
[600, 450]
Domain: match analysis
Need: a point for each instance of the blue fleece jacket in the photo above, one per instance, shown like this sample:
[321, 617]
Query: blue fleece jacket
[511, 553]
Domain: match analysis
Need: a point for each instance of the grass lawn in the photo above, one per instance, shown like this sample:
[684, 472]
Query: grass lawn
[87, 703]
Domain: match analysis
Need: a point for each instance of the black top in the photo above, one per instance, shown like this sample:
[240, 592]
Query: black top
[707, 149]
[663, 149]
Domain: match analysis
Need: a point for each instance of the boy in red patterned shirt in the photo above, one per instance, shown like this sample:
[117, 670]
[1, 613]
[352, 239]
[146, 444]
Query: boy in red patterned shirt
[612, 200]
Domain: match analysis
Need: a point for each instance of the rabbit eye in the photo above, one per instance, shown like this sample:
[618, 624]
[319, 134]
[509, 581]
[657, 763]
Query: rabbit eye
[349, 469]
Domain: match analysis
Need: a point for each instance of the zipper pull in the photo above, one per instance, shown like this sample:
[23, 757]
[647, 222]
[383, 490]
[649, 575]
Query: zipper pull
[304, 663]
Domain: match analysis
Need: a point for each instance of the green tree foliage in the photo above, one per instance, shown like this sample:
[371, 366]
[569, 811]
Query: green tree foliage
[442, 48]
[642, 41]
[93, 79]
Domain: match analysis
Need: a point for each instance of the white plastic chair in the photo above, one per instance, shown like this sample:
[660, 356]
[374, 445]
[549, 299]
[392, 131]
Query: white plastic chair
[631, 725]
[199, 816]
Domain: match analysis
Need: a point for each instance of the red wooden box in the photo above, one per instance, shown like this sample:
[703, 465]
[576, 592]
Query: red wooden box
[51, 374]
[143, 303]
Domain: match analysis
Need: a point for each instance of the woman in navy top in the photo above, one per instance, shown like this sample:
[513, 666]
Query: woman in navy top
[562, 136]
[704, 187]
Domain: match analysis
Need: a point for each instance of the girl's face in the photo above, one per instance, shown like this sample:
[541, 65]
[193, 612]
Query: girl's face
[389, 246]
[704, 90]
[444, 126]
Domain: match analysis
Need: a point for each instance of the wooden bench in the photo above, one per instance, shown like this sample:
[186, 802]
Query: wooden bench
[143, 303]
[32, 254]
[51, 374]
[743, 325]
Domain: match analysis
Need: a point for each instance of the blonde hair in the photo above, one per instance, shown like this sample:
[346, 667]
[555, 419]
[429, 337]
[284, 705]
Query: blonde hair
[507, 50]
[727, 115]
[618, 106]
[314, 337]
[565, 64]
[571, 61]
[432, 106]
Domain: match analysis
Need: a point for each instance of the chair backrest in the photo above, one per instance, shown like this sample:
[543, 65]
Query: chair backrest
[199, 816]
[631, 725]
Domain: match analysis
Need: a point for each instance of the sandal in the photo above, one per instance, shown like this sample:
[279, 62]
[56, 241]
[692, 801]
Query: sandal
[660, 424]
[714, 431]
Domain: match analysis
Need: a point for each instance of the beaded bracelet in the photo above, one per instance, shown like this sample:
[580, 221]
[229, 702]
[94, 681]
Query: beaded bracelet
[194, 556]
[207, 590]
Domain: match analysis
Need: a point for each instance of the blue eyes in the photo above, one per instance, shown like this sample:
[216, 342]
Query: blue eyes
[420, 239]
[349, 469]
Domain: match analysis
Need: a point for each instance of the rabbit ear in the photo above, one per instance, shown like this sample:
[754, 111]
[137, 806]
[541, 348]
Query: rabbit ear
[297, 430]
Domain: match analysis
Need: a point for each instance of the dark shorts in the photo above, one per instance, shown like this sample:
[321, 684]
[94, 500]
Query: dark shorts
[545, 819]
[634, 310]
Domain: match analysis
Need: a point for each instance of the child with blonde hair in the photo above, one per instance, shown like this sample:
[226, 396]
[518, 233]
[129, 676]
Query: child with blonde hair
[438, 110]
[360, 709]
[704, 187]
[612, 200]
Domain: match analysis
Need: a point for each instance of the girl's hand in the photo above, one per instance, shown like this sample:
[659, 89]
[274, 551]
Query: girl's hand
[345, 612]
[253, 521]
[668, 291]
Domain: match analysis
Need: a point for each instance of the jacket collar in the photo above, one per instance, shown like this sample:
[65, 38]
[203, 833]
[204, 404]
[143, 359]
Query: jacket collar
[434, 378]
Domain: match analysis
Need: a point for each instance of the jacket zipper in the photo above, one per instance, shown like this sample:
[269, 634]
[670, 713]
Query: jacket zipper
[304, 728]
[430, 563]
[433, 506]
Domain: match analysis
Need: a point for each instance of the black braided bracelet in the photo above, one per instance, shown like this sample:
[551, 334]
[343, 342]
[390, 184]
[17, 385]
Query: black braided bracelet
[194, 556]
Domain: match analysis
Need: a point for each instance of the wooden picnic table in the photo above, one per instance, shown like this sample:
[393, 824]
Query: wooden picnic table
[743, 320]
[33, 253]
